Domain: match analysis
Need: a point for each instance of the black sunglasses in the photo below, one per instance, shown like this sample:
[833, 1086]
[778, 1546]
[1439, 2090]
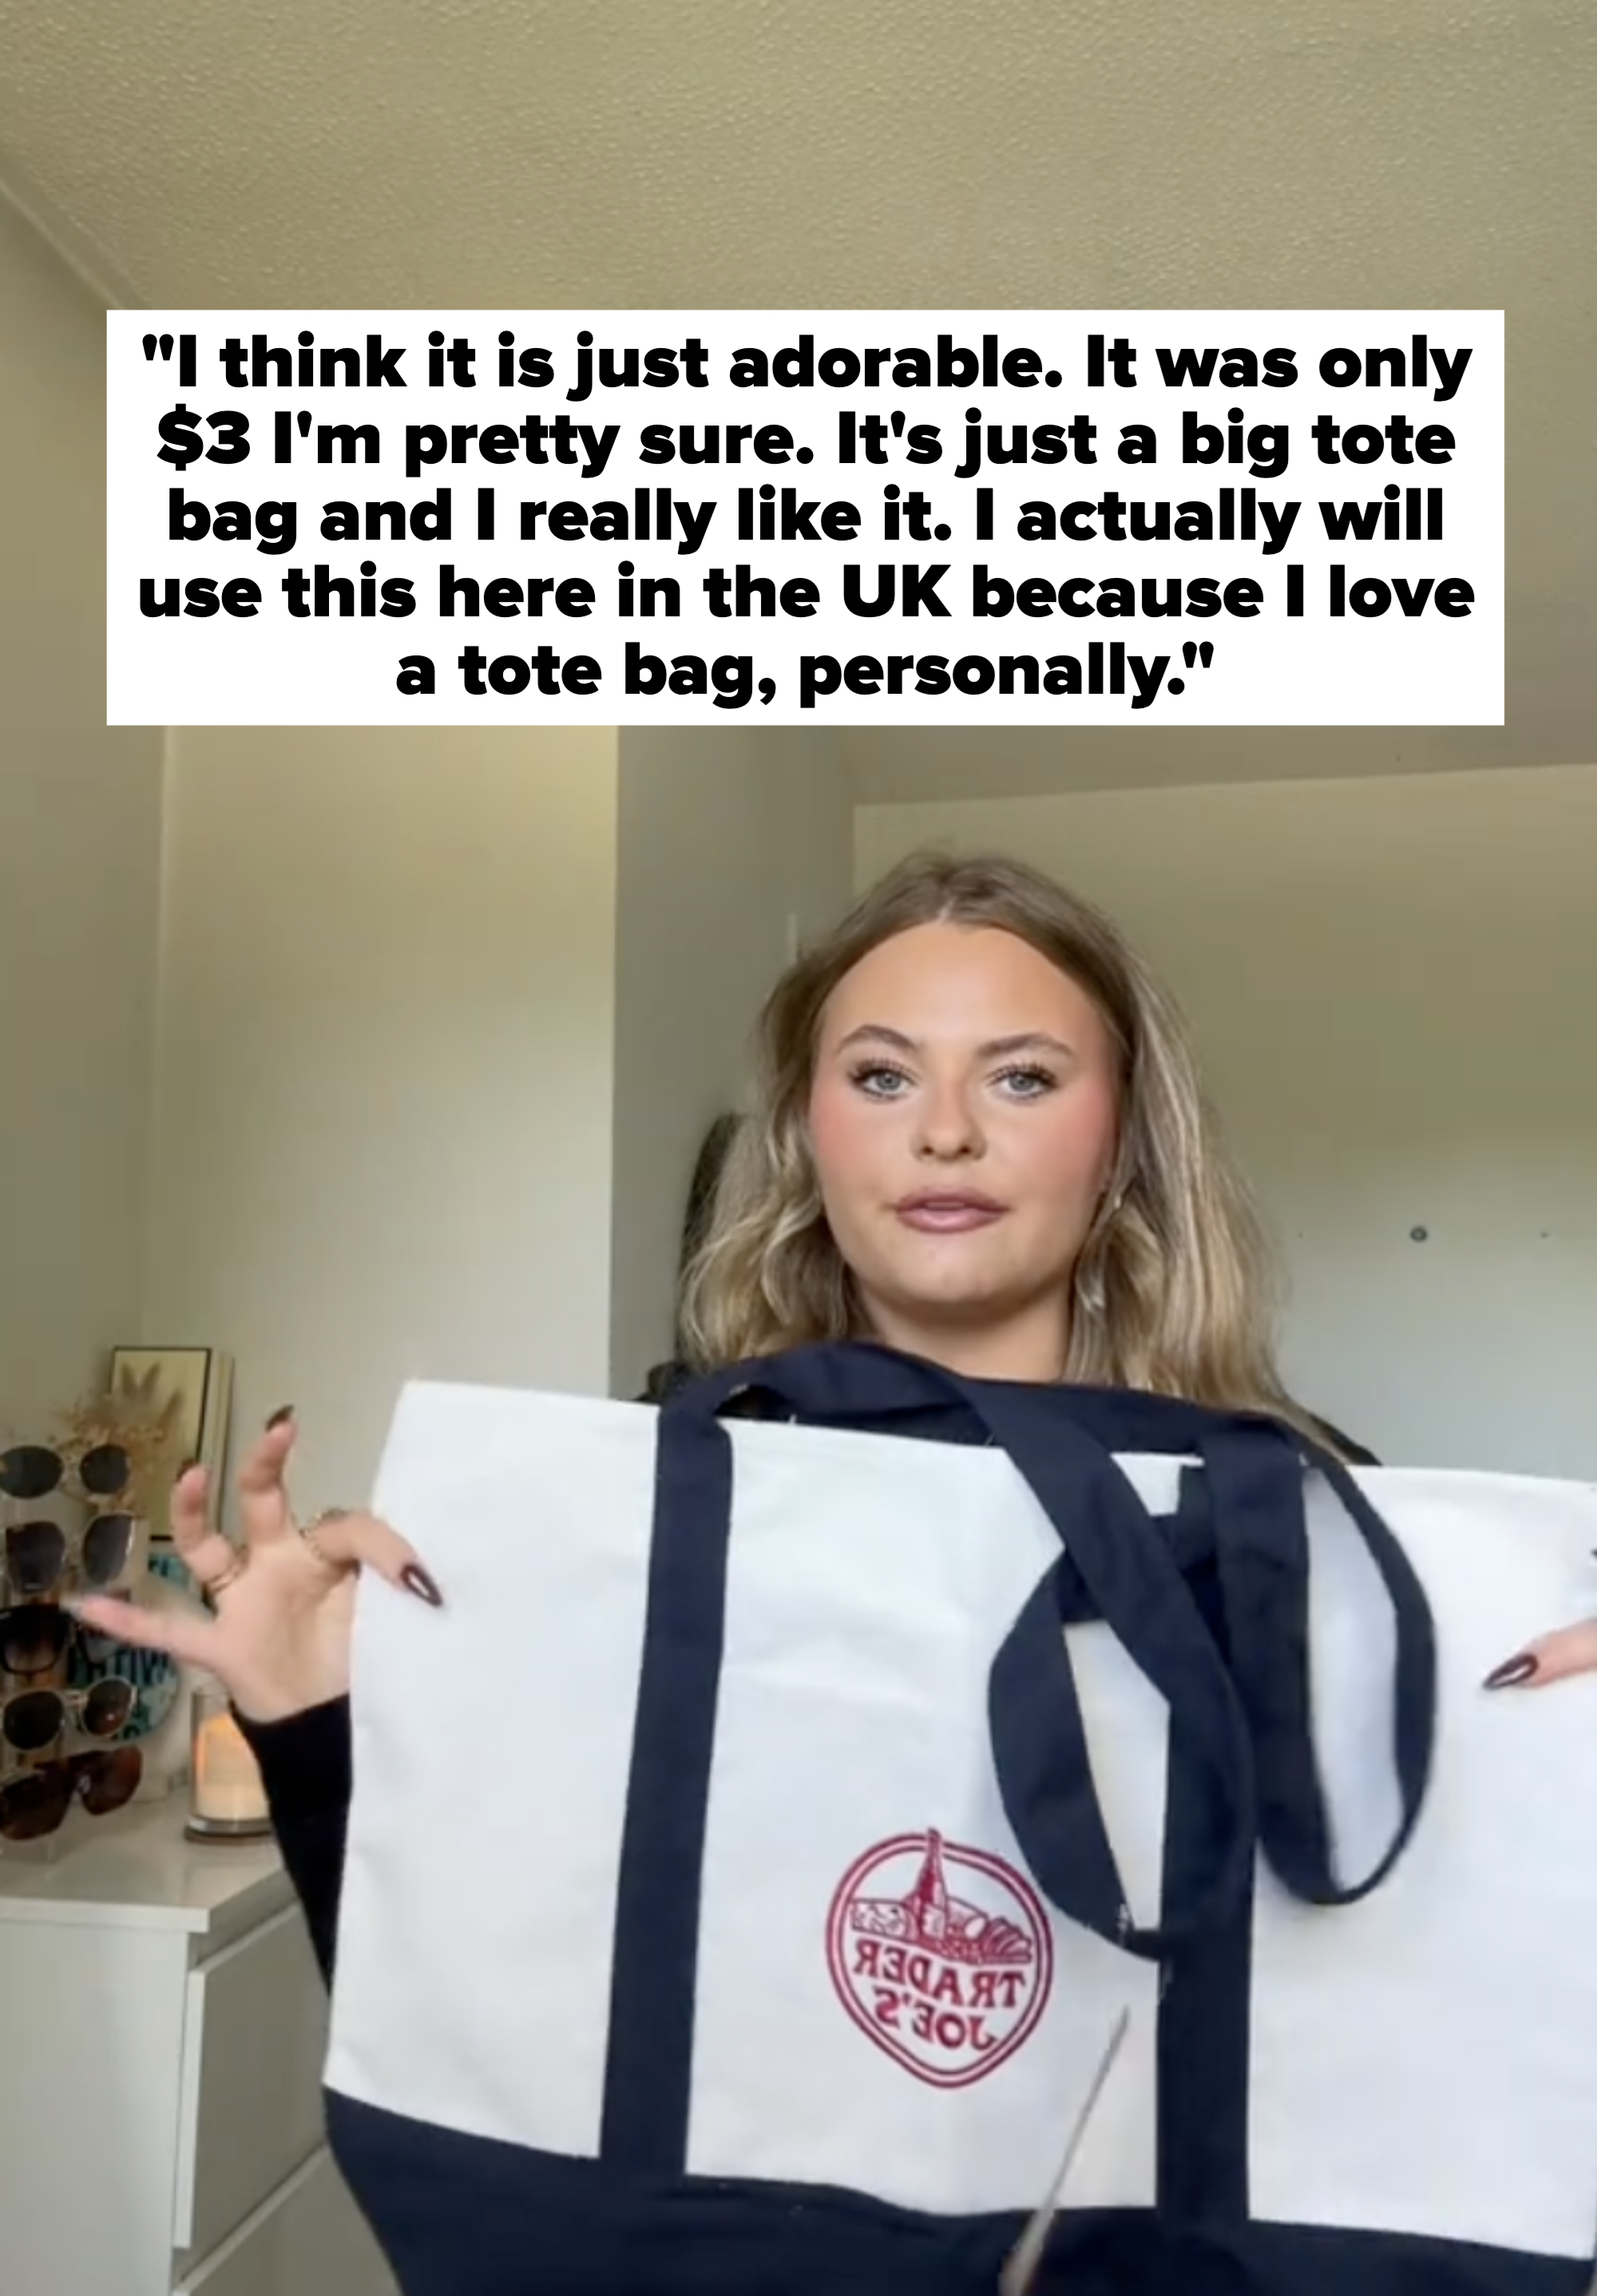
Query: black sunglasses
[32, 1471]
[34, 1802]
[36, 1554]
[34, 1637]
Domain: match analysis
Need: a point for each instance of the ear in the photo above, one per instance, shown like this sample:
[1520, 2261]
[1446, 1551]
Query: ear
[1112, 1192]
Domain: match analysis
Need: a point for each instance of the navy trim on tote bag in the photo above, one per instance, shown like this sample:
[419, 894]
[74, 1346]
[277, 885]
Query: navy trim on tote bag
[648, 2066]
[461, 2215]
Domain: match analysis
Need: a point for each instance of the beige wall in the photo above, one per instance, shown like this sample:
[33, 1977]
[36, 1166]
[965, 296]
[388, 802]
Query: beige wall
[442, 1016]
[383, 1081]
[80, 850]
[1393, 987]
[729, 844]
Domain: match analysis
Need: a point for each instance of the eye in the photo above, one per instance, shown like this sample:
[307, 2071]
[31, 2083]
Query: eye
[1027, 1083]
[878, 1080]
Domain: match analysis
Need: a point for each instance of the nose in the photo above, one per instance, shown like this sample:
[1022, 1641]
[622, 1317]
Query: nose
[947, 1130]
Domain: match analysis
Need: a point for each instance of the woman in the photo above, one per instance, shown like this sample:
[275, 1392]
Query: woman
[980, 1140]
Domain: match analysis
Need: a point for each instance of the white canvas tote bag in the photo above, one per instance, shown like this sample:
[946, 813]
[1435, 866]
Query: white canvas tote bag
[747, 1866]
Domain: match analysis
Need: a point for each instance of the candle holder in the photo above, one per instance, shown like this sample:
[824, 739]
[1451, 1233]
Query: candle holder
[227, 1799]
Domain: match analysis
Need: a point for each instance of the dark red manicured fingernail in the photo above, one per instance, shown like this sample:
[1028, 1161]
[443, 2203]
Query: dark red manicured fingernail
[284, 1412]
[414, 1576]
[1511, 1671]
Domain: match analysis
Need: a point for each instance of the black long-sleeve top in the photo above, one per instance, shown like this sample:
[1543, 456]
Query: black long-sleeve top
[307, 1771]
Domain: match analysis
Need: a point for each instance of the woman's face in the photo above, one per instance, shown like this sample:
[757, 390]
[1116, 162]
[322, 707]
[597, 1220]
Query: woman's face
[963, 1122]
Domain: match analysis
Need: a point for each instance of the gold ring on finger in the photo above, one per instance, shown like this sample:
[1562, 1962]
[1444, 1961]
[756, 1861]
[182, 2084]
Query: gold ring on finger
[308, 1532]
[226, 1575]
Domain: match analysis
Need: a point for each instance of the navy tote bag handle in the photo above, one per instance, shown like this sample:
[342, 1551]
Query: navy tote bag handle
[1133, 1584]
[1254, 1469]
[1252, 1494]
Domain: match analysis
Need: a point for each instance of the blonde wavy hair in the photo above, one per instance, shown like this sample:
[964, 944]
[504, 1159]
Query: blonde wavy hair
[1174, 1289]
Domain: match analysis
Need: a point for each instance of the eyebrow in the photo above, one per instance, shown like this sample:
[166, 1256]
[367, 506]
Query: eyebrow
[1029, 1040]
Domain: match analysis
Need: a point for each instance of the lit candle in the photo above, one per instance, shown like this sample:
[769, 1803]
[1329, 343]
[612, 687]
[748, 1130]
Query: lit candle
[227, 1794]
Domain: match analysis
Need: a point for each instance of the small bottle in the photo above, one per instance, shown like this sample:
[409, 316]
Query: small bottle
[928, 1900]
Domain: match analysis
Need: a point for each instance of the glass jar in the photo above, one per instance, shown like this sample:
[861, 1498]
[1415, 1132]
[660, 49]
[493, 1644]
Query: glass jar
[227, 1799]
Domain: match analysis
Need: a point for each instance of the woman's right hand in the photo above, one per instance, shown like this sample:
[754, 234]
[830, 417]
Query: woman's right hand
[277, 1637]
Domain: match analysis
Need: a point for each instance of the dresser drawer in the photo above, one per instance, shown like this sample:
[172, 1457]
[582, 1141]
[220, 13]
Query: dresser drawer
[308, 2240]
[255, 2033]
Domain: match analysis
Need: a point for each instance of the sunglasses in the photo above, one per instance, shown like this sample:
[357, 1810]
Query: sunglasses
[34, 1802]
[33, 1719]
[36, 1554]
[34, 1637]
[31, 1471]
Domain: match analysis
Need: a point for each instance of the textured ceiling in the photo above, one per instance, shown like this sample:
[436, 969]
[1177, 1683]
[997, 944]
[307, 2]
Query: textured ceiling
[540, 153]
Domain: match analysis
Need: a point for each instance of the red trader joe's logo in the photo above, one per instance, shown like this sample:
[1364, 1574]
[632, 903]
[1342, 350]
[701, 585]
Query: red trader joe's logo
[943, 1955]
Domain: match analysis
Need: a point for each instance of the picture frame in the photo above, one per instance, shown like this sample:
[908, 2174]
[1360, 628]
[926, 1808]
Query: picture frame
[194, 1385]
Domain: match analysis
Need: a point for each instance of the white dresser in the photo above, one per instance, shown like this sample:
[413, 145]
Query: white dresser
[163, 2028]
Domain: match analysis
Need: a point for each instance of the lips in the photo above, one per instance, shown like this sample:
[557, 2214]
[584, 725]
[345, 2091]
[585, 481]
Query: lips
[945, 1212]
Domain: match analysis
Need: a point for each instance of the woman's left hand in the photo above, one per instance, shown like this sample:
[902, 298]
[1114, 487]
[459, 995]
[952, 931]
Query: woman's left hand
[1551, 1658]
